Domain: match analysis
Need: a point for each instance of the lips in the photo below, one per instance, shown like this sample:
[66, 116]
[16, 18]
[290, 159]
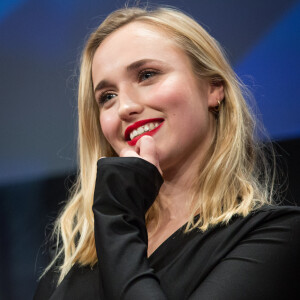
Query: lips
[141, 128]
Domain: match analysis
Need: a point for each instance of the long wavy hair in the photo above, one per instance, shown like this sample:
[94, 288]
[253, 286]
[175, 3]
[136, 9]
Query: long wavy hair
[234, 179]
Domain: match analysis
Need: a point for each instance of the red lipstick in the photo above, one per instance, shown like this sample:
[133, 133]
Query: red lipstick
[138, 124]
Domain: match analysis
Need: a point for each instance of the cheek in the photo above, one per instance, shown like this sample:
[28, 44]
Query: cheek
[184, 97]
[183, 102]
[108, 125]
[168, 94]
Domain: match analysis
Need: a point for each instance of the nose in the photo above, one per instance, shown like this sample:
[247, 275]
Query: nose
[129, 105]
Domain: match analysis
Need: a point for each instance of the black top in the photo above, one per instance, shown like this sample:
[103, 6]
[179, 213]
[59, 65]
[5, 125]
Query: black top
[256, 257]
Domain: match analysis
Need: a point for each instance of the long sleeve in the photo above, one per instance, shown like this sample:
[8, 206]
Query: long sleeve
[125, 189]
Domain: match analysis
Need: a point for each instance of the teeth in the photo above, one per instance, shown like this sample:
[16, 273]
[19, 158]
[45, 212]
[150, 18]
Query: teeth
[142, 129]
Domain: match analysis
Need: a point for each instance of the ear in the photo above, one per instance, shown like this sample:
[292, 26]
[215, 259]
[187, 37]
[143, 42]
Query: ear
[216, 93]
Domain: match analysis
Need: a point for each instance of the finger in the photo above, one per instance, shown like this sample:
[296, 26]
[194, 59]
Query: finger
[147, 150]
[128, 152]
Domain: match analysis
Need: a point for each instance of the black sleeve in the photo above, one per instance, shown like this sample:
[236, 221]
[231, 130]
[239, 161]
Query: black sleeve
[125, 189]
[264, 265]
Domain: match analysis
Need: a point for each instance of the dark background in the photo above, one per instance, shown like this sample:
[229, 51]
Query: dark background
[40, 45]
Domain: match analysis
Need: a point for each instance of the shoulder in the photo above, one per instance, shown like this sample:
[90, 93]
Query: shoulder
[275, 228]
[283, 221]
[81, 282]
[269, 227]
[268, 241]
[274, 214]
[48, 281]
[280, 210]
[47, 284]
[253, 257]
[266, 216]
[271, 218]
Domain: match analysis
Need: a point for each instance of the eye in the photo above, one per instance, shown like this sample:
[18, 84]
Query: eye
[105, 97]
[146, 74]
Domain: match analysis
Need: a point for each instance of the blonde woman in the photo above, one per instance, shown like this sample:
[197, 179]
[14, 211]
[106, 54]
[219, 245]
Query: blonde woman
[179, 205]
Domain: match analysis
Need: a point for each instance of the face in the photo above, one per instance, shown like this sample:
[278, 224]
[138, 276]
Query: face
[144, 85]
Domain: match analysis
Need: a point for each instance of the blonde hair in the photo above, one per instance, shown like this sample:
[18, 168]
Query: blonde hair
[231, 181]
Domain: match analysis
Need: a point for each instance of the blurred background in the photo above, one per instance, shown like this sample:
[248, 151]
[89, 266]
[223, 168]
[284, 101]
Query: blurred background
[40, 46]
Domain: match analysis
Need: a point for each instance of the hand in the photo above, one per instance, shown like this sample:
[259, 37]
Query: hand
[145, 148]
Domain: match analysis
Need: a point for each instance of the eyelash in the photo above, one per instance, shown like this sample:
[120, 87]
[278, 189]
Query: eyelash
[147, 71]
[102, 98]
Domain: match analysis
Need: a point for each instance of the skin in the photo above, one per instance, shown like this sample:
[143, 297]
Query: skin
[163, 87]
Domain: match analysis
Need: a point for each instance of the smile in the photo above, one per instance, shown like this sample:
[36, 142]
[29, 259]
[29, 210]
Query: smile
[144, 127]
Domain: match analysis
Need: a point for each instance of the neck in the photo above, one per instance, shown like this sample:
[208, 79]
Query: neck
[176, 192]
[173, 202]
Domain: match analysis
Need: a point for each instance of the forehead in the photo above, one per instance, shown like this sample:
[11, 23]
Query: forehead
[135, 41]
[135, 34]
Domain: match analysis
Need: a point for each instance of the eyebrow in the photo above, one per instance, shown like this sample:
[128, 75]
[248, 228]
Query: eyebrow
[101, 85]
[133, 66]
[137, 64]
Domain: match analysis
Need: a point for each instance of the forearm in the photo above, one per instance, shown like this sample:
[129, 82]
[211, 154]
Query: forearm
[125, 189]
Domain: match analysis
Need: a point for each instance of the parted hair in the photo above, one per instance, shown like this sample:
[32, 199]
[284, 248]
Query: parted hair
[233, 180]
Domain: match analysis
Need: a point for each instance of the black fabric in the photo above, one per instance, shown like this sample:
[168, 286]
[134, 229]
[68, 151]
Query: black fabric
[256, 257]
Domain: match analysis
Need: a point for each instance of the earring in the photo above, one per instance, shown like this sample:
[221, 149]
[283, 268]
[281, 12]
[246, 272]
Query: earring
[216, 109]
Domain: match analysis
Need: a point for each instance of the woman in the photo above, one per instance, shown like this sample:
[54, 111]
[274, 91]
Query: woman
[179, 207]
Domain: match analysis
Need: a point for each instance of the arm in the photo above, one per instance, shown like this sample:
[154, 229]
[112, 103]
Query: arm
[125, 189]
